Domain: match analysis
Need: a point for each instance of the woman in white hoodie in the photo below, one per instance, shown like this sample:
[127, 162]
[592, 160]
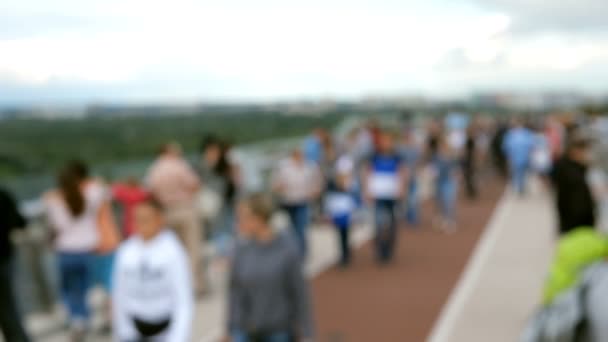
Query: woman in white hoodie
[153, 296]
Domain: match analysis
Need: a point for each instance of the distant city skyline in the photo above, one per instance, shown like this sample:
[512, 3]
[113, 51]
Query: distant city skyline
[135, 51]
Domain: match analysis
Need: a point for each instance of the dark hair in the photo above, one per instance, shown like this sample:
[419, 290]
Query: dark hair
[69, 180]
[153, 202]
[209, 140]
[225, 169]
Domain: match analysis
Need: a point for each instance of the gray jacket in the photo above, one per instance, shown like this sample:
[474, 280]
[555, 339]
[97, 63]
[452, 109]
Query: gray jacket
[268, 292]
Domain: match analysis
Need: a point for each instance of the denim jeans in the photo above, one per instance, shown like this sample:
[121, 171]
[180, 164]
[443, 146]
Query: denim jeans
[103, 265]
[299, 215]
[386, 228]
[239, 336]
[518, 177]
[446, 199]
[10, 319]
[223, 234]
[412, 203]
[76, 274]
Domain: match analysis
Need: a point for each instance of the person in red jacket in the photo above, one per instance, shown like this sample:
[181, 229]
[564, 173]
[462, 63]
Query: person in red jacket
[129, 195]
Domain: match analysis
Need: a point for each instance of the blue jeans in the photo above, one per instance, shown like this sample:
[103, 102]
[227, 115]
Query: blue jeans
[239, 336]
[76, 273]
[223, 234]
[446, 199]
[519, 173]
[412, 203]
[386, 228]
[299, 215]
[102, 270]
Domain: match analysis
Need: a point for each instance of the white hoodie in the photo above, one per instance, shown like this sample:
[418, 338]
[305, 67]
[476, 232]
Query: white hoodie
[152, 283]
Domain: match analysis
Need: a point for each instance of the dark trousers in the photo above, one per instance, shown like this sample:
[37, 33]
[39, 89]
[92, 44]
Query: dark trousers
[299, 215]
[10, 320]
[469, 178]
[386, 229]
[342, 225]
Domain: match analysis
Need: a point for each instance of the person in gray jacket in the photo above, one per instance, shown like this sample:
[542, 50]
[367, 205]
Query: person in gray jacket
[268, 298]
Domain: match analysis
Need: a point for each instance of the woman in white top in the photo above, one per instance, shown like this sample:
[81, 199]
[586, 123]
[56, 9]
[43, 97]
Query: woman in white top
[152, 288]
[297, 182]
[72, 212]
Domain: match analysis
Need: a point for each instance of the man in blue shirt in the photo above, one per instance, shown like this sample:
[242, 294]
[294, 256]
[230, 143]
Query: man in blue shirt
[313, 146]
[518, 145]
[385, 185]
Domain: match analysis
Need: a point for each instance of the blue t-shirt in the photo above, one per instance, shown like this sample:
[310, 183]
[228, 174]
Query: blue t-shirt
[384, 178]
[313, 150]
[518, 145]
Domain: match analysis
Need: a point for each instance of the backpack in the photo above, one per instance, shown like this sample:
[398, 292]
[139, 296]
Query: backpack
[564, 320]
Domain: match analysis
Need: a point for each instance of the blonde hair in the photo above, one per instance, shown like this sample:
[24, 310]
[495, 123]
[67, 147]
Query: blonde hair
[260, 204]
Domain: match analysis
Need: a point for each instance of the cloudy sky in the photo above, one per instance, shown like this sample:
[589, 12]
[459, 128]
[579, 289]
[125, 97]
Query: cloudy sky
[78, 51]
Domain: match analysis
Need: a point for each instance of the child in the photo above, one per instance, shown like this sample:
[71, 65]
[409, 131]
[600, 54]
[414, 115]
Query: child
[128, 194]
[340, 205]
[153, 295]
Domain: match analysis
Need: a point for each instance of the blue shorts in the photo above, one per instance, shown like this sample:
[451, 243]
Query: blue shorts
[103, 265]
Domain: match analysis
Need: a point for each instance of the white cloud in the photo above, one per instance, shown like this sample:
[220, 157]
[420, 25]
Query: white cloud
[275, 48]
[249, 43]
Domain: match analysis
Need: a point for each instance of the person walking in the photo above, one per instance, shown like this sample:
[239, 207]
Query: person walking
[446, 166]
[73, 212]
[153, 294]
[173, 181]
[10, 317]
[313, 146]
[541, 159]
[229, 173]
[213, 194]
[298, 183]
[518, 145]
[269, 299]
[411, 155]
[469, 162]
[385, 184]
[340, 205]
[574, 199]
[499, 156]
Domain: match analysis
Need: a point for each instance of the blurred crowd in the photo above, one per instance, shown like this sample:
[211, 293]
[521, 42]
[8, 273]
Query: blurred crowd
[146, 241]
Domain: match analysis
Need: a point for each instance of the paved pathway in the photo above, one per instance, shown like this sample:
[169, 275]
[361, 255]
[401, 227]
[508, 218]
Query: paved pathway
[402, 300]
[489, 301]
[503, 282]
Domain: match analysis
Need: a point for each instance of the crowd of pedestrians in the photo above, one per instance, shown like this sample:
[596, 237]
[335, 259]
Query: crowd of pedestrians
[152, 262]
